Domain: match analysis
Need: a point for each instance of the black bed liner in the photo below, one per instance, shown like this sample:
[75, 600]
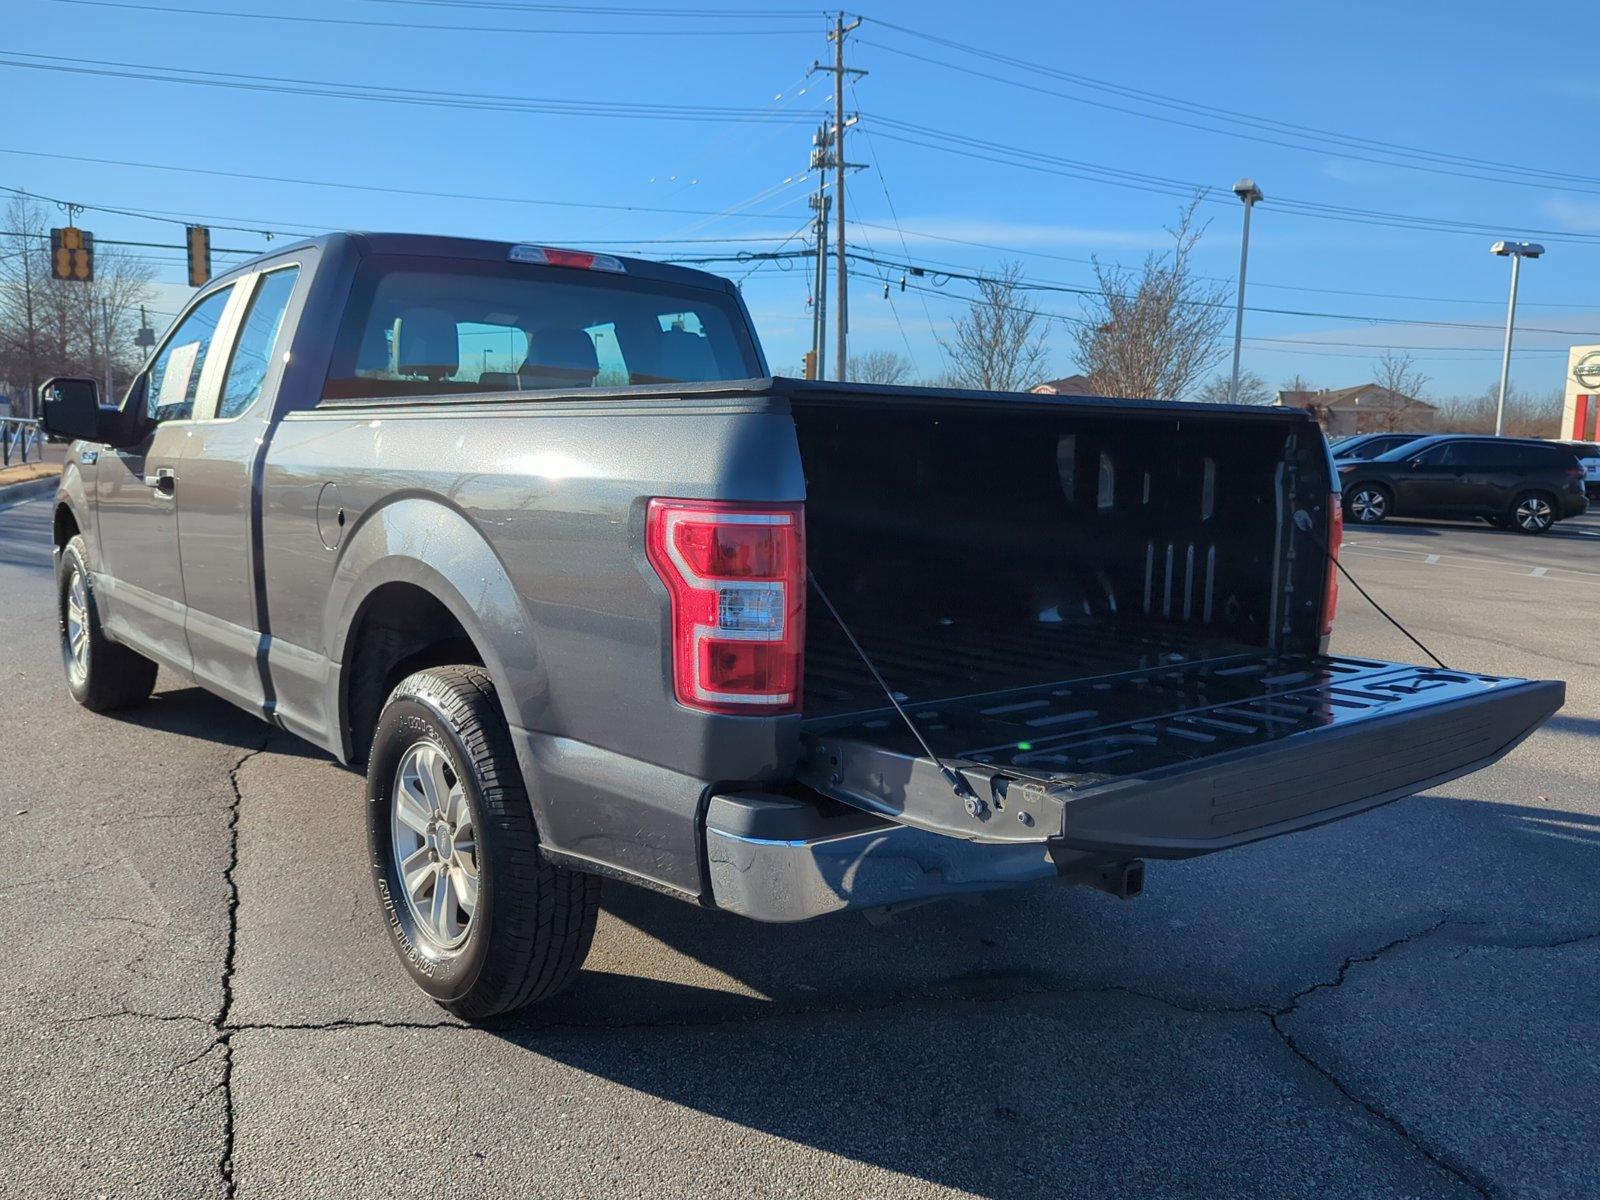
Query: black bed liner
[1178, 759]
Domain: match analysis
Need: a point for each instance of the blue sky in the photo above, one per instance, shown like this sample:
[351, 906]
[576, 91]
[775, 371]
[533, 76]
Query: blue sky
[1430, 76]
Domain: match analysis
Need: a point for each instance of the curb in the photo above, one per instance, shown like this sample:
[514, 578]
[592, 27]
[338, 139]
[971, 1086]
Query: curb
[32, 489]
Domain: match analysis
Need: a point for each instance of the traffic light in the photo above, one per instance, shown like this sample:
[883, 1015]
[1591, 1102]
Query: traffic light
[810, 361]
[72, 254]
[199, 239]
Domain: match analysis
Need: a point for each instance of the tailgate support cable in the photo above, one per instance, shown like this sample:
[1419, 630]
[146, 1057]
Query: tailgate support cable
[1303, 522]
[957, 783]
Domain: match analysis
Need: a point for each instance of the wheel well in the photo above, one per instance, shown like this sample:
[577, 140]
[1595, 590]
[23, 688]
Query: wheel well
[401, 628]
[66, 526]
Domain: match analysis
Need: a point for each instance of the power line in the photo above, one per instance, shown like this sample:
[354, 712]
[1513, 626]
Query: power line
[883, 182]
[1347, 145]
[471, 101]
[613, 10]
[1073, 289]
[624, 30]
[1072, 320]
[369, 187]
[896, 228]
[987, 150]
[104, 241]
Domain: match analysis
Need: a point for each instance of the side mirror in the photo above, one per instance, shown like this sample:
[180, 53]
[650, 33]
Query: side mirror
[1415, 464]
[70, 408]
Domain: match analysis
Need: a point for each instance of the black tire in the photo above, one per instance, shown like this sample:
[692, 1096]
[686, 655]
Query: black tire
[1367, 504]
[1533, 513]
[108, 675]
[528, 932]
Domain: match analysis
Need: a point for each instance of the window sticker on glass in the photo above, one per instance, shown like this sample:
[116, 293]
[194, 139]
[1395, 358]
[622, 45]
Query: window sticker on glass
[175, 382]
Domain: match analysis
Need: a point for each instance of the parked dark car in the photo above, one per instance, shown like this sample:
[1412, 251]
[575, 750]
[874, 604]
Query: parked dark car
[1371, 445]
[1510, 482]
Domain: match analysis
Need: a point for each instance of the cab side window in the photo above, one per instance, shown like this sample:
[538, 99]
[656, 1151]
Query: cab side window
[174, 376]
[252, 355]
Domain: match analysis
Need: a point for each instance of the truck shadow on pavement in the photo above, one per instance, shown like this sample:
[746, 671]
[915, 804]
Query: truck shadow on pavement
[192, 711]
[1054, 1040]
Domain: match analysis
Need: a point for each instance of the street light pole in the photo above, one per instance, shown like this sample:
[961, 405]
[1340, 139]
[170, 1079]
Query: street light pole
[1516, 252]
[1249, 193]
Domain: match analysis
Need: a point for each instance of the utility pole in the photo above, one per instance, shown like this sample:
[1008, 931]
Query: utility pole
[819, 205]
[819, 313]
[105, 312]
[842, 317]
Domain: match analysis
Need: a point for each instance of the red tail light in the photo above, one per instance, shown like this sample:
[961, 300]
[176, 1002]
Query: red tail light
[736, 574]
[1330, 594]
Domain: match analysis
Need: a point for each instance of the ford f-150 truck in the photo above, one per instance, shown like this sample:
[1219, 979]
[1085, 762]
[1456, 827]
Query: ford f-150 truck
[533, 535]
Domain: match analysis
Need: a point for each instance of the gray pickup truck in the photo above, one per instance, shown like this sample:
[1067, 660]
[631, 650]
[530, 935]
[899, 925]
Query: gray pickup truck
[533, 534]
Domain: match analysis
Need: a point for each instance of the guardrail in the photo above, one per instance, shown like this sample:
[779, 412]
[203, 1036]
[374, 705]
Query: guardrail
[21, 440]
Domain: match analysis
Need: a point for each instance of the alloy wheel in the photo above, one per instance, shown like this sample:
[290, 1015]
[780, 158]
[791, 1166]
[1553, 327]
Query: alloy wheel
[1369, 506]
[1534, 514]
[75, 639]
[435, 845]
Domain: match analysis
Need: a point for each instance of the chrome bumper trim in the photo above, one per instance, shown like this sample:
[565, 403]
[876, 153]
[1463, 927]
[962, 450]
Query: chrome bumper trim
[795, 879]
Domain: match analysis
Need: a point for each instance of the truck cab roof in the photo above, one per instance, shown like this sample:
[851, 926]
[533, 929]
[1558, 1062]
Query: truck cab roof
[427, 245]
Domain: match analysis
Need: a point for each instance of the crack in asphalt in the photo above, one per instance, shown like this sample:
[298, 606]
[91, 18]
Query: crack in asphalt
[1442, 1160]
[223, 1035]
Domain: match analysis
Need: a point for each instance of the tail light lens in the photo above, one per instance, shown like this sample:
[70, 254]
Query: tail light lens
[1330, 593]
[736, 577]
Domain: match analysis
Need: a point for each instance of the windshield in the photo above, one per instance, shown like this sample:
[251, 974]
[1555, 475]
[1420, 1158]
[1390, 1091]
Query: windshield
[421, 326]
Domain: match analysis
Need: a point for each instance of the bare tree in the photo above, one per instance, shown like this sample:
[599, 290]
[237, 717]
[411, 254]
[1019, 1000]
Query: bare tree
[1398, 375]
[51, 326]
[1527, 414]
[1153, 333]
[1252, 389]
[999, 345]
[880, 366]
[1297, 383]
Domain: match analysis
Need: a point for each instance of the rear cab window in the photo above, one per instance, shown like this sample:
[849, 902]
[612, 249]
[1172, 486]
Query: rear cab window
[419, 326]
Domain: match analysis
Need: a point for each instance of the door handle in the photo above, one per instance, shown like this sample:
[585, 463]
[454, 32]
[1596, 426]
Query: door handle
[164, 482]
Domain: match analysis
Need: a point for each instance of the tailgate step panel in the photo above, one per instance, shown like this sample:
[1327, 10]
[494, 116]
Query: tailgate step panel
[1179, 760]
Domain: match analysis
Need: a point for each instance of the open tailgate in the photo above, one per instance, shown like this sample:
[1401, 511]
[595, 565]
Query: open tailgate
[1177, 761]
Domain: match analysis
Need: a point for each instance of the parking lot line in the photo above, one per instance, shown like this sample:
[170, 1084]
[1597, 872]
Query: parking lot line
[1497, 566]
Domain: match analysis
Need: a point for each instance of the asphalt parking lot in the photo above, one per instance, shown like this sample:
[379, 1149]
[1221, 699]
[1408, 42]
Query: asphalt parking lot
[201, 1001]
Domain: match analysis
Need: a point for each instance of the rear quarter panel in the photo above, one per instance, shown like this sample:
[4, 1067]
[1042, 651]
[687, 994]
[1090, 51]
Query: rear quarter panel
[527, 521]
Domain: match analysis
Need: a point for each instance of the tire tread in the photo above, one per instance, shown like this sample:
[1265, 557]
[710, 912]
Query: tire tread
[543, 916]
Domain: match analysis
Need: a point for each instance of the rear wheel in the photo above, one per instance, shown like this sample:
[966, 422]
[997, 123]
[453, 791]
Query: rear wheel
[1367, 503]
[482, 921]
[101, 675]
[1533, 512]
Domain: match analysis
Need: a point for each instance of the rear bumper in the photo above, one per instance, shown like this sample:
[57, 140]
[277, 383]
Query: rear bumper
[771, 858]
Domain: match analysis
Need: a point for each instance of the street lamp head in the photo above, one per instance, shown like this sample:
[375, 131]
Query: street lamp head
[1520, 249]
[1247, 191]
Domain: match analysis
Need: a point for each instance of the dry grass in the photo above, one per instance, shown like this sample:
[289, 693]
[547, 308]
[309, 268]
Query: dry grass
[23, 472]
